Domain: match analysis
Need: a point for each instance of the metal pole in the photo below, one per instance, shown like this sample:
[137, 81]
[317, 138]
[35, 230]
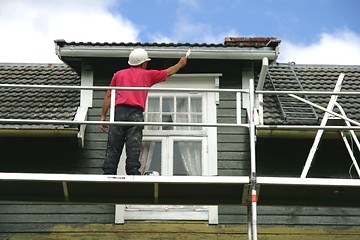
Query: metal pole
[323, 123]
[112, 105]
[252, 159]
[238, 107]
[325, 110]
[249, 217]
[353, 135]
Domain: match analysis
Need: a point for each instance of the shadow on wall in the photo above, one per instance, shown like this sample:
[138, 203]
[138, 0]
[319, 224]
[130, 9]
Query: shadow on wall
[39, 155]
[287, 157]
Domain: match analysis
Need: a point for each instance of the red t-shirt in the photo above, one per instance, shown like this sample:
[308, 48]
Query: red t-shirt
[135, 77]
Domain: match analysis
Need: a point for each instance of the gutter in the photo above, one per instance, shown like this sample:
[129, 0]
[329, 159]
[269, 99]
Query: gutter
[298, 134]
[70, 132]
[169, 52]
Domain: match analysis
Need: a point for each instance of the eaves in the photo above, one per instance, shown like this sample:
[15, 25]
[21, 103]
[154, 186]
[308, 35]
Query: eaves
[198, 51]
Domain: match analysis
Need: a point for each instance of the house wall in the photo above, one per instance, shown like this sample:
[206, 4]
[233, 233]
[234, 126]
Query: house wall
[95, 221]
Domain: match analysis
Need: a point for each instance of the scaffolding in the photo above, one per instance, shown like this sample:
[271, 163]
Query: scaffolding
[205, 190]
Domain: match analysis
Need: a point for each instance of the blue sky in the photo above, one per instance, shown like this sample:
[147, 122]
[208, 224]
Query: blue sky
[294, 20]
[311, 31]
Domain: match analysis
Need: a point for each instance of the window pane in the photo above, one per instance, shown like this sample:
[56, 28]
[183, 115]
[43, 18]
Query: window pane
[152, 117]
[196, 119]
[187, 158]
[153, 104]
[182, 118]
[167, 118]
[150, 156]
[182, 104]
[168, 104]
[196, 105]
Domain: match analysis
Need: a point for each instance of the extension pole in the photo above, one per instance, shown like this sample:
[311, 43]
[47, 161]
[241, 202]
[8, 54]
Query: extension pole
[252, 159]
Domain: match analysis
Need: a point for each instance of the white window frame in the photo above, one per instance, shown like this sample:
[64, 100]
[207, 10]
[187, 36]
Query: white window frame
[208, 137]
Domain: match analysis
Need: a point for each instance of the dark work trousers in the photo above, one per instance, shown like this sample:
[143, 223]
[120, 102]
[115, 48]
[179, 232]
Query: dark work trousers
[119, 135]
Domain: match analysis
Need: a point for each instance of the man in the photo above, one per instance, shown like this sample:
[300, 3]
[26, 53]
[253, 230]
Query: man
[129, 106]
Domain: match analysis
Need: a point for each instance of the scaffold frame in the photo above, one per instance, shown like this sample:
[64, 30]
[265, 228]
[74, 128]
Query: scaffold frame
[250, 188]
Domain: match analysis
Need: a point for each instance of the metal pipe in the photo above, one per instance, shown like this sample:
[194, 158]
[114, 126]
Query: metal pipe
[323, 123]
[325, 93]
[347, 142]
[68, 122]
[151, 89]
[249, 217]
[252, 159]
[326, 110]
[238, 107]
[264, 69]
[112, 105]
[303, 127]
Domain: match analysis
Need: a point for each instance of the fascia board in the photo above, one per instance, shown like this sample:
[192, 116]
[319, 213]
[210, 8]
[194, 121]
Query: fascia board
[161, 52]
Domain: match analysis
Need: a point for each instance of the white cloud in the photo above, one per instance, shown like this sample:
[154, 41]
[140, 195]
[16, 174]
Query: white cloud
[29, 28]
[339, 48]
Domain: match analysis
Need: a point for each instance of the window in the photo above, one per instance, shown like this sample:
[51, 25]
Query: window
[180, 108]
[178, 150]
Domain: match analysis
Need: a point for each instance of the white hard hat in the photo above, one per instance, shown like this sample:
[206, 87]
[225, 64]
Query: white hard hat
[138, 56]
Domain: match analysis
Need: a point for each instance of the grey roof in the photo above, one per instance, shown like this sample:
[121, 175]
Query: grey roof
[311, 78]
[257, 42]
[45, 104]
[246, 48]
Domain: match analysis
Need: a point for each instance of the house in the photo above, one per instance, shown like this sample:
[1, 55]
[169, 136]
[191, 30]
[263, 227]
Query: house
[63, 147]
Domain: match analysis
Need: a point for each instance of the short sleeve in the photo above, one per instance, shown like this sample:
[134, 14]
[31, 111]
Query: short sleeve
[157, 76]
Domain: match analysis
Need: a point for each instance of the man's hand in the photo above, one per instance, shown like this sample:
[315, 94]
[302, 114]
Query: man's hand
[182, 61]
[104, 127]
[174, 69]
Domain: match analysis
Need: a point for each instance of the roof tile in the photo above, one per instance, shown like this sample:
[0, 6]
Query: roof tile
[46, 104]
[312, 78]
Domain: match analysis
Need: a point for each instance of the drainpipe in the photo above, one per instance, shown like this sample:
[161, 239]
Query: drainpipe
[259, 97]
[264, 69]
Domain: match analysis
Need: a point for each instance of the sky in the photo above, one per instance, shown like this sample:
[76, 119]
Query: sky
[311, 31]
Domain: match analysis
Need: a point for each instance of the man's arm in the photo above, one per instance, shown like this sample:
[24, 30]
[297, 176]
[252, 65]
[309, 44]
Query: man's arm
[175, 68]
[105, 108]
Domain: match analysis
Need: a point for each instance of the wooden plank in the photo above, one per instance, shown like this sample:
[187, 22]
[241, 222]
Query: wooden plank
[233, 139]
[57, 218]
[299, 220]
[234, 147]
[232, 131]
[227, 155]
[294, 211]
[35, 208]
[178, 230]
[234, 172]
[233, 164]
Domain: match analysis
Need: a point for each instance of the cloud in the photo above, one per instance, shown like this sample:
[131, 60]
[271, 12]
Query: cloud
[29, 28]
[339, 48]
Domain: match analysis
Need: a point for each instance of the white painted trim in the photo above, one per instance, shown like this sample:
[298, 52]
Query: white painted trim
[213, 215]
[119, 214]
[261, 108]
[87, 79]
[81, 115]
[247, 74]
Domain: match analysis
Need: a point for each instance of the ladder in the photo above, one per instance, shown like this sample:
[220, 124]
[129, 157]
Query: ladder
[291, 109]
[329, 110]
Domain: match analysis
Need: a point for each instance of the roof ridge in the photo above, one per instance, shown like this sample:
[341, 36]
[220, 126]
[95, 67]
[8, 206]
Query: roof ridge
[33, 64]
[315, 65]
